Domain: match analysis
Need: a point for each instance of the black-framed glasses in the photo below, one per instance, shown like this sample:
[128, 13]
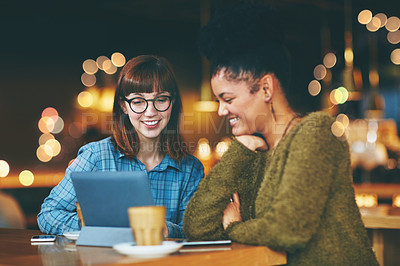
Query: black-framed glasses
[139, 104]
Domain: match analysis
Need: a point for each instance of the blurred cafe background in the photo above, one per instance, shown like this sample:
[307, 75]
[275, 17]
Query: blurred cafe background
[60, 61]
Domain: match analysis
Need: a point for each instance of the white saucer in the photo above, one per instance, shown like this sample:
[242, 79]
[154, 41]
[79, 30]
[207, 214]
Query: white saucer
[159, 251]
[72, 235]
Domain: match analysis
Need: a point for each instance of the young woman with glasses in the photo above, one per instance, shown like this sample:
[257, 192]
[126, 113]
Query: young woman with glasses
[146, 137]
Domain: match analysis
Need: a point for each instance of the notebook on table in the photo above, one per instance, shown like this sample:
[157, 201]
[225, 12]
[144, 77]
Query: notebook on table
[104, 198]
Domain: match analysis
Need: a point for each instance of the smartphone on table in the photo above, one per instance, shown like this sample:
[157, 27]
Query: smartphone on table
[43, 238]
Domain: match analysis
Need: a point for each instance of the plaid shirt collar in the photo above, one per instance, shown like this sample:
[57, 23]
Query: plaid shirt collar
[165, 163]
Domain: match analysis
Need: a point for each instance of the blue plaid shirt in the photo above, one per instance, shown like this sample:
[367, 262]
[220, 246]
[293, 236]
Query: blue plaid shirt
[172, 184]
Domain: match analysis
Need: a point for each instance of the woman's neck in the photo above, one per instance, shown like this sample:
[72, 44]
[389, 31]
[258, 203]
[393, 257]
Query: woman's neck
[149, 153]
[280, 127]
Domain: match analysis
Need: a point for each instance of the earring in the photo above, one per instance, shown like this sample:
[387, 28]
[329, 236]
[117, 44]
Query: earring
[267, 94]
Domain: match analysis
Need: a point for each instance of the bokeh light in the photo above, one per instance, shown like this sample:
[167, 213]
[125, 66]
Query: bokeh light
[372, 136]
[100, 61]
[330, 60]
[45, 137]
[393, 37]
[366, 200]
[88, 80]
[373, 78]
[50, 112]
[396, 200]
[393, 24]
[42, 155]
[314, 87]
[109, 67]
[26, 178]
[319, 72]
[364, 17]
[106, 100]
[222, 147]
[344, 95]
[382, 18]
[374, 24]
[118, 59]
[348, 55]
[90, 66]
[203, 149]
[395, 56]
[337, 129]
[46, 124]
[339, 95]
[344, 119]
[4, 168]
[52, 147]
[85, 99]
[58, 126]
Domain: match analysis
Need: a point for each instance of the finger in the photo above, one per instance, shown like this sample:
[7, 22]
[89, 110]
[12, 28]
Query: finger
[236, 198]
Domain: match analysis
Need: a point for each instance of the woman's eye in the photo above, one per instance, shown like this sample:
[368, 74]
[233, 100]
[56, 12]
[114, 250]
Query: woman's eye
[162, 99]
[137, 102]
[228, 100]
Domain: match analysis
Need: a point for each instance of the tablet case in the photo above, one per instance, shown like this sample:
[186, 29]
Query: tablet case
[104, 198]
[104, 236]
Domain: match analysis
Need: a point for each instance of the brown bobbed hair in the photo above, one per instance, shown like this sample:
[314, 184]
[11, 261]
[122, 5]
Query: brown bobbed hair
[147, 74]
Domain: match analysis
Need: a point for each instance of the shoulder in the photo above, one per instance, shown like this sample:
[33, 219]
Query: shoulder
[316, 128]
[318, 120]
[104, 145]
[317, 124]
[191, 160]
[190, 163]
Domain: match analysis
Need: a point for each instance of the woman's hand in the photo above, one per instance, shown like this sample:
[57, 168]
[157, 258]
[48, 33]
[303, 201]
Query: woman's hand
[253, 143]
[232, 212]
[165, 230]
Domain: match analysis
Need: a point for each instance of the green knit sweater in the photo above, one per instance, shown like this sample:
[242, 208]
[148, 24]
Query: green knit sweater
[297, 198]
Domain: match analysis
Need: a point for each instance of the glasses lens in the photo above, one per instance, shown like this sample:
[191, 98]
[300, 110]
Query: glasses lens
[138, 105]
[162, 103]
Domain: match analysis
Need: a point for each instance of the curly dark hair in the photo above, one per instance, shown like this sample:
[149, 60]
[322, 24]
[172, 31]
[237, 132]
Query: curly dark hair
[247, 41]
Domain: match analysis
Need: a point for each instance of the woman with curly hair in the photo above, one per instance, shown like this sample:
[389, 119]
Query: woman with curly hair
[146, 137]
[285, 181]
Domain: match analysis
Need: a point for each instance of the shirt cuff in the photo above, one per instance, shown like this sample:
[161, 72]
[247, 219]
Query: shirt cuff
[174, 230]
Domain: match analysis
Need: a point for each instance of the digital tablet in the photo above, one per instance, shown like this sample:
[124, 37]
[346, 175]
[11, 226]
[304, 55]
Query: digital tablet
[206, 243]
[104, 197]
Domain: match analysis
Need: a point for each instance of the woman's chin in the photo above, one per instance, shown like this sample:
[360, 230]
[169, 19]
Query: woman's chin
[238, 132]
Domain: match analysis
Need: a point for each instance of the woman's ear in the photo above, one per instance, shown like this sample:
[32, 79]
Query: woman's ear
[123, 107]
[267, 86]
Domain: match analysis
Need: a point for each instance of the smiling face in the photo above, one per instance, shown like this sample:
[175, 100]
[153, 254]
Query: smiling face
[246, 111]
[151, 122]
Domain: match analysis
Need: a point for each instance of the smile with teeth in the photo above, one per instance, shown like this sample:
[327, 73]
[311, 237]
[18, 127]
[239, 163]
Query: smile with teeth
[233, 120]
[151, 123]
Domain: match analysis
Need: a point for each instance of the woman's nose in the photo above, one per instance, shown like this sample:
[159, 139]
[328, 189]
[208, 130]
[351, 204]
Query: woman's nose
[151, 110]
[222, 111]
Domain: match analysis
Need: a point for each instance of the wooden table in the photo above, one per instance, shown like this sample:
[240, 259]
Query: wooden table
[378, 219]
[16, 249]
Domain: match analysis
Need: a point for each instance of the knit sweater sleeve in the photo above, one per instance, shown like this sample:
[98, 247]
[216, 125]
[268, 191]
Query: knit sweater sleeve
[203, 215]
[307, 170]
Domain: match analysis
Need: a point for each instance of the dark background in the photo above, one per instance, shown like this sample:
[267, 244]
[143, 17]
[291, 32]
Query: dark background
[44, 43]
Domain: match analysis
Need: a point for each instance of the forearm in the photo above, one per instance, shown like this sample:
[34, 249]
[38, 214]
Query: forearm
[58, 211]
[175, 230]
[203, 217]
[298, 196]
[57, 221]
